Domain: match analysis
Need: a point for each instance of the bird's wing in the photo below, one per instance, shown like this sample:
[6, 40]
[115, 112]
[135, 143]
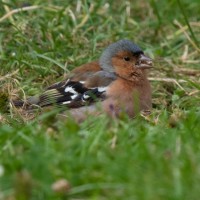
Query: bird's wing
[75, 93]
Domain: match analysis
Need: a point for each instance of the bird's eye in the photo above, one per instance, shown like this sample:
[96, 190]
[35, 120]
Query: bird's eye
[126, 58]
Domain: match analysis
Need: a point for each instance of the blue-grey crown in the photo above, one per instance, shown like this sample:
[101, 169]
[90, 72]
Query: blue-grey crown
[122, 45]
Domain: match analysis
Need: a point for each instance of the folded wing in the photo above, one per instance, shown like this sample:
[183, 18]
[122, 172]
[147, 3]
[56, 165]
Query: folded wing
[74, 93]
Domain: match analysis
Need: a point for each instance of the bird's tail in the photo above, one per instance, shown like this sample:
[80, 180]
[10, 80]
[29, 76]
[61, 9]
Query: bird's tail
[18, 103]
[34, 100]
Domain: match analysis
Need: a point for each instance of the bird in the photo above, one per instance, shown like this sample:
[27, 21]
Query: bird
[117, 83]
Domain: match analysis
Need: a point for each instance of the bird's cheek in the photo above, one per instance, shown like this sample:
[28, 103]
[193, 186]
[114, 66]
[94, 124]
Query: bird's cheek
[134, 67]
[123, 72]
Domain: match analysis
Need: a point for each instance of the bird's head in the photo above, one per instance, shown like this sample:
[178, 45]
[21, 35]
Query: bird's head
[125, 59]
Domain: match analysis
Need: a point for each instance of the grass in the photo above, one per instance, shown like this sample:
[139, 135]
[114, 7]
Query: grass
[154, 157]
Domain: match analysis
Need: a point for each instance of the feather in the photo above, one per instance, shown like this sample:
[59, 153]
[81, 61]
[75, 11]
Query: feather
[74, 94]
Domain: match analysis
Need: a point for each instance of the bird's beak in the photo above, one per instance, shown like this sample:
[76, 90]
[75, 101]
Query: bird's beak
[144, 62]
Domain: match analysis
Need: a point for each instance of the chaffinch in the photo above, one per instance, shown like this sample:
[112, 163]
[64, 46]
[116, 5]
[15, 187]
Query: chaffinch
[117, 82]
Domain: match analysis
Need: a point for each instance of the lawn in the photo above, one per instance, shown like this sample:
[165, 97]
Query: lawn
[151, 157]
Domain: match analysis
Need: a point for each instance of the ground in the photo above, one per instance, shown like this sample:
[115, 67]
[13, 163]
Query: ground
[151, 157]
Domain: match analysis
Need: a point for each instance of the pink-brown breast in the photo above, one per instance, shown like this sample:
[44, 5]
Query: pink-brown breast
[127, 96]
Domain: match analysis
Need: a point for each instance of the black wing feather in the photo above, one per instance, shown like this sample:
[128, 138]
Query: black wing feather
[74, 94]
